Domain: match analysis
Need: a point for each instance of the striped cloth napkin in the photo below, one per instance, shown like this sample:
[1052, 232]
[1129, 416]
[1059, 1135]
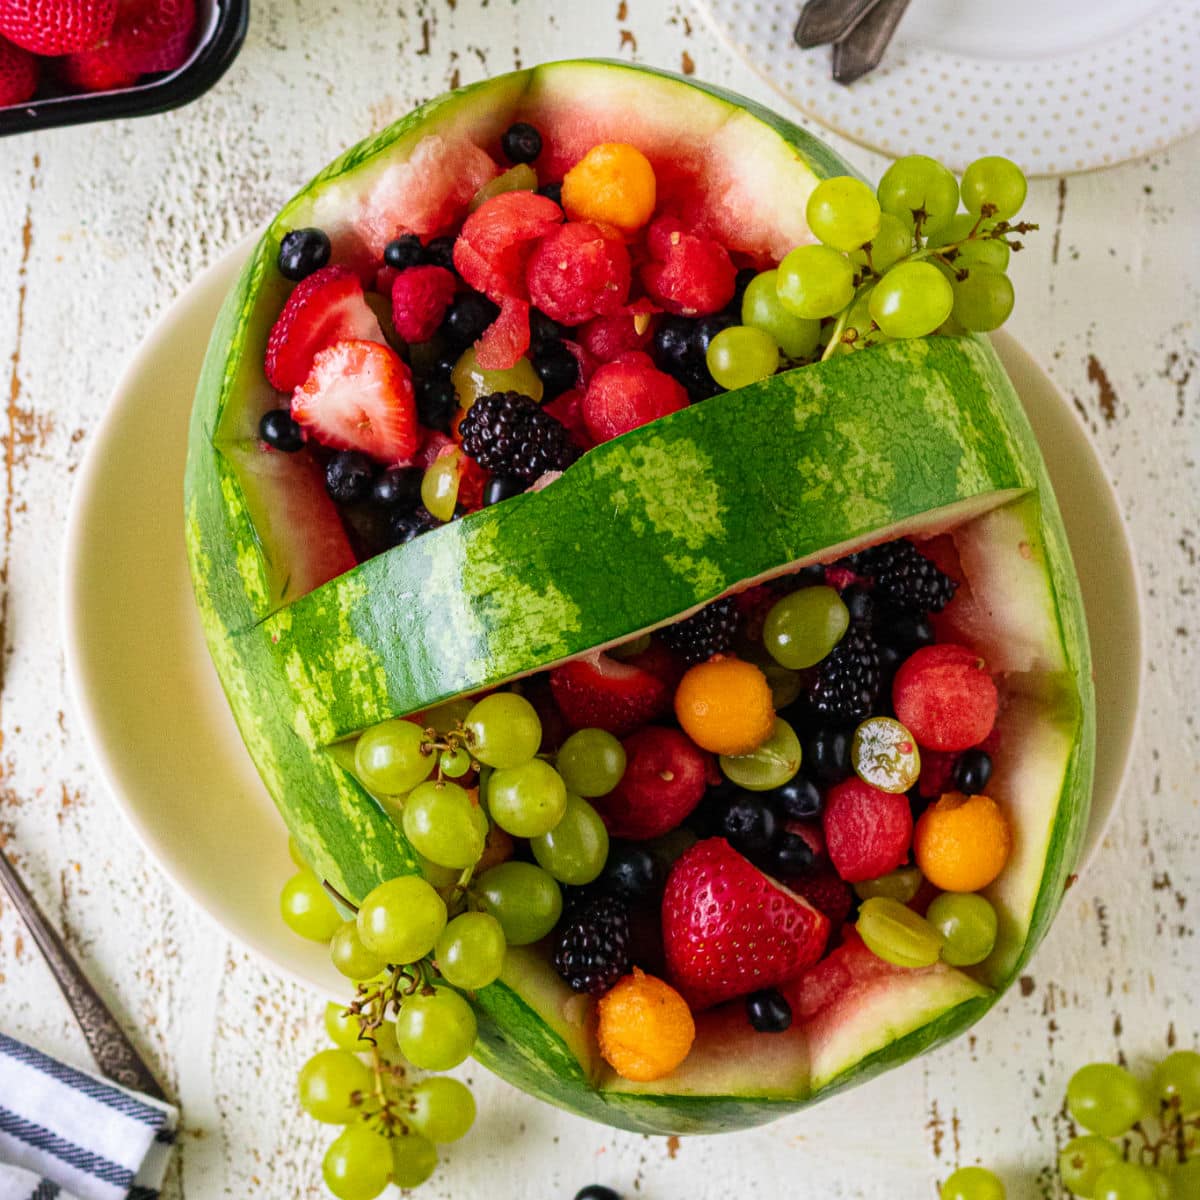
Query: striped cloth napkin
[67, 1134]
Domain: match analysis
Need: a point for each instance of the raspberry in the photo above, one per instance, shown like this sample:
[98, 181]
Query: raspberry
[689, 274]
[420, 297]
[577, 272]
[827, 892]
[945, 697]
[591, 947]
[623, 395]
[705, 633]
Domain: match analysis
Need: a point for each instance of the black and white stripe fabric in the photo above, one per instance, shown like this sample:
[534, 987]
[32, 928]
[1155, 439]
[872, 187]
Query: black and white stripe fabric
[67, 1135]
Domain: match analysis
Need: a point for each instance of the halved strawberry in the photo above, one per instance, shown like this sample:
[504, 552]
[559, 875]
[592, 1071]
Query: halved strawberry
[327, 307]
[359, 396]
[729, 930]
[599, 692]
[51, 27]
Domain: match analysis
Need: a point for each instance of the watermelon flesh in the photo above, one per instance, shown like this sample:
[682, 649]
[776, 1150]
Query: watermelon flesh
[923, 439]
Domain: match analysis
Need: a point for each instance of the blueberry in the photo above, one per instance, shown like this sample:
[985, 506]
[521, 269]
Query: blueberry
[444, 364]
[398, 488]
[409, 525]
[827, 754]
[302, 252]
[743, 279]
[521, 143]
[404, 252]
[707, 328]
[889, 660]
[542, 329]
[278, 429]
[790, 855]
[552, 191]
[768, 1011]
[556, 368]
[859, 603]
[501, 487]
[810, 576]
[672, 346]
[907, 631]
[798, 799]
[749, 824]
[468, 316]
[631, 872]
[972, 771]
[440, 253]
[348, 476]
[437, 402]
[597, 1191]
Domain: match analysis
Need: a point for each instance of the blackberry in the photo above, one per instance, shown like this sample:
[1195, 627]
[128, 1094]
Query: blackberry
[280, 431]
[847, 680]
[302, 252]
[521, 143]
[510, 434]
[403, 252]
[705, 633]
[903, 575]
[349, 476]
[768, 1011]
[859, 604]
[591, 948]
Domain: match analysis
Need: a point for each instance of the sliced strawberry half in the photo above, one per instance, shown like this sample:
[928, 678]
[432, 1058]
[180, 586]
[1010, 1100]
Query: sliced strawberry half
[359, 396]
[729, 930]
[327, 307]
[599, 692]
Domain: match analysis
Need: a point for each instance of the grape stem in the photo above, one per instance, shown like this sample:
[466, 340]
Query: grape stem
[342, 900]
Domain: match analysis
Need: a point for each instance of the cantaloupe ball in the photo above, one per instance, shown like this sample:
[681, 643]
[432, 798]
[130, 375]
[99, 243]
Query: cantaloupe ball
[612, 184]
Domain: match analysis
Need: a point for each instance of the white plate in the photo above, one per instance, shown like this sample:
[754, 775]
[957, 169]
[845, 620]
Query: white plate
[156, 717]
[1069, 85]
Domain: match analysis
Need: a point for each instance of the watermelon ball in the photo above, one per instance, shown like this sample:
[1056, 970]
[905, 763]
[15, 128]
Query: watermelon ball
[689, 274]
[614, 184]
[578, 272]
[607, 338]
[622, 395]
[945, 697]
[867, 831]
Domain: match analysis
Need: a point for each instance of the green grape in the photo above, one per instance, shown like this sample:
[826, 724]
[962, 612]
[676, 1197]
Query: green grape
[523, 898]
[296, 854]
[983, 301]
[996, 181]
[504, 729]
[528, 800]
[591, 762]
[1127, 1181]
[439, 484]
[796, 336]
[359, 1163]
[400, 920]
[843, 212]
[786, 686]
[440, 878]
[350, 956]
[1081, 1161]
[441, 1109]
[413, 1160]
[803, 627]
[972, 1183]
[1176, 1082]
[388, 757]
[631, 648]
[859, 319]
[814, 282]
[576, 849]
[911, 300]
[1185, 1180]
[967, 923]
[901, 885]
[979, 251]
[345, 1031]
[454, 763]
[471, 381]
[331, 1083]
[884, 754]
[1105, 1099]
[919, 185]
[897, 934]
[440, 822]
[893, 241]
[470, 951]
[742, 355]
[307, 909]
[769, 766]
[436, 1031]
[448, 715]
[521, 178]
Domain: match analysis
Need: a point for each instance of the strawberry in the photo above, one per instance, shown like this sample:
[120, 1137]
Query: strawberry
[18, 74]
[599, 692]
[147, 36]
[327, 307]
[56, 26]
[359, 396]
[826, 892]
[729, 930]
[666, 775]
[868, 832]
[95, 72]
[420, 297]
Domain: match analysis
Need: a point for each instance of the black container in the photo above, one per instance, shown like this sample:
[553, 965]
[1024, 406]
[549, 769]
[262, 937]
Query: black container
[222, 29]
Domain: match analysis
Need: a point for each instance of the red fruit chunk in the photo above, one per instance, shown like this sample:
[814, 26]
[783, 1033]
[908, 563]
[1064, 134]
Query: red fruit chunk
[153, 35]
[623, 395]
[95, 72]
[472, 479]
[867, 831]
[607, 338]
[729, 930]
[359, 396]
[326, 307]
[842, 577]
[604, 693]
[18, 74]
[936, 770]
[827, 892]
[567, 410]
[420, 297]
[52, 27]
[577, 272]
[690, 275]
[847, 969]
[945, 697]
[665, 778]
[506, 339]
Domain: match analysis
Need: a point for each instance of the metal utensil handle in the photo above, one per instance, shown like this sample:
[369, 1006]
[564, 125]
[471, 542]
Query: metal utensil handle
[824, 21]
[114, 1052]
[861, 50]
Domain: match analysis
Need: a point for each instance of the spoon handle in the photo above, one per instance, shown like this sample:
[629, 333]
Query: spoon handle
[824, 21]
[861, 50]
[114, 1052]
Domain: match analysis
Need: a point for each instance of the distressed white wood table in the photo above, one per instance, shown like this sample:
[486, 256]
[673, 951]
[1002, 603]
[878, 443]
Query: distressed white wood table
[101, 226]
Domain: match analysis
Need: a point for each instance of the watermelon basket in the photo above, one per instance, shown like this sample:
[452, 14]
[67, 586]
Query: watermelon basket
[917, 439]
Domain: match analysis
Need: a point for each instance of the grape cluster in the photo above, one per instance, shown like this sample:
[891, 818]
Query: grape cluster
[897, 262]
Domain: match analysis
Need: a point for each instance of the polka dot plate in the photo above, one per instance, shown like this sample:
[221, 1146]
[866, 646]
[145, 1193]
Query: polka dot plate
[1058, 85]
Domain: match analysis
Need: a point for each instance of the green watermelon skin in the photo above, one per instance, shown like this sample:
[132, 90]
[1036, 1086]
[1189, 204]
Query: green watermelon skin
[906, 437]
